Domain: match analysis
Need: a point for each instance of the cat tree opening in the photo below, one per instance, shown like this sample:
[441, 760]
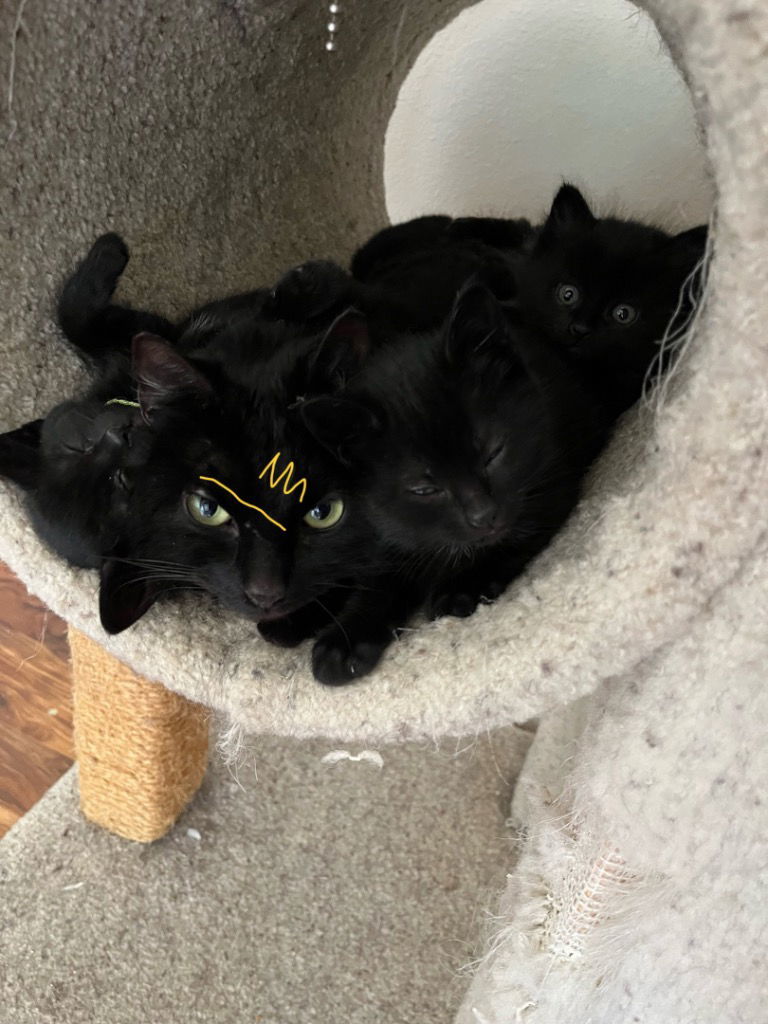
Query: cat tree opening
[510, 99]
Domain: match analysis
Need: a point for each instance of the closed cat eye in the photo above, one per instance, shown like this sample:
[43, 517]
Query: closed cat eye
[424, 490]
[568, 294]
[495, 453]
[624, 314]
[206, 511]
[325, 514]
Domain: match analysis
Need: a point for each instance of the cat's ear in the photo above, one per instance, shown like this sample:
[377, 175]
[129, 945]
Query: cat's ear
[163, 376]
[569, 210]
[20, 454]
[125, 594]
[689, 244]
[340, 353]
[477, 321]
[343, 426]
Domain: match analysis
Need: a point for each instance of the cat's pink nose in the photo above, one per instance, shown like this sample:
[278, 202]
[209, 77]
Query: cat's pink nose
[265, 595]
[481, 515]
[580, 330]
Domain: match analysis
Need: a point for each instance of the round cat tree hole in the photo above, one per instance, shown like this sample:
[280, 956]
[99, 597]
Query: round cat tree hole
[515, 96]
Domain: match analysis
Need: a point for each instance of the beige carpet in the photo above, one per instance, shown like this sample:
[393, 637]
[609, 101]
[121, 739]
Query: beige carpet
[339, 893]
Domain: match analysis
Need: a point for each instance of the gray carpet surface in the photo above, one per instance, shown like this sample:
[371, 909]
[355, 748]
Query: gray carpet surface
[342, 893]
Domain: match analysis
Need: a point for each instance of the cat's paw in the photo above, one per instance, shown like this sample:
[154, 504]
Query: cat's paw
[336, 661]
[458, 603]
[307, 291]
[285, 632]
[461, 601]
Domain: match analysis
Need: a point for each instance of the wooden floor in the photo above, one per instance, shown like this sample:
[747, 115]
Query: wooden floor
[35, 700]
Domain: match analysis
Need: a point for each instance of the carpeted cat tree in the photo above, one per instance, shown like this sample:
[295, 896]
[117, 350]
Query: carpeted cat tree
[224, 144]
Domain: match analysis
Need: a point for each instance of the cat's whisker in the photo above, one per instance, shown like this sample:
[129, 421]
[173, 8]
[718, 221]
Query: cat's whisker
[330, 614]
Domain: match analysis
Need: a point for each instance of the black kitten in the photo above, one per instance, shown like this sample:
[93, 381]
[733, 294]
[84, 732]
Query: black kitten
[79, 464]
[607, 291]
[74, 463]
[471, 444]
[235, 497]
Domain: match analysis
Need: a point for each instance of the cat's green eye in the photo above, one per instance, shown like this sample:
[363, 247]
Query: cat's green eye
[206, 511]
[325, 514]
[568, 294]
[624, 314]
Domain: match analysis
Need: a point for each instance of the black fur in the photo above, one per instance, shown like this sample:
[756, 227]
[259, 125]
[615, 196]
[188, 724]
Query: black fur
[264, 562]
[79, 465]
[607, 266]
[470, 444]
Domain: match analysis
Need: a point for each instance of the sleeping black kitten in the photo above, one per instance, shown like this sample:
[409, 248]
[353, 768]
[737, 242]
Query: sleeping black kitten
[470, 445]
[74, 464]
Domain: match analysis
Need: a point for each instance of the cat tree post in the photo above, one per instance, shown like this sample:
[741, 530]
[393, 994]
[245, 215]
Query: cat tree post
[141, 750]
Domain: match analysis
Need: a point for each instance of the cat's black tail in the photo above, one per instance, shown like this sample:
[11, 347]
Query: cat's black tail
[95, 327]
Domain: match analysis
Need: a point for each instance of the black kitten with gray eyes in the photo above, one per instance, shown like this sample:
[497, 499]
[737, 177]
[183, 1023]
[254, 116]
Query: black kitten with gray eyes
[607, 291]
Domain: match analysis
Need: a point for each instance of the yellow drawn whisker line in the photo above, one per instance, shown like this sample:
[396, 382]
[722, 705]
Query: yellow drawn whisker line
[213, 480]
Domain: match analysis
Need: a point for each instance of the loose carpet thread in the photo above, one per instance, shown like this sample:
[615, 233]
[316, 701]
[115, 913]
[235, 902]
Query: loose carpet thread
[17, 26]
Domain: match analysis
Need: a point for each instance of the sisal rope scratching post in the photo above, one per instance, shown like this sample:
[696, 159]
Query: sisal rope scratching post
[141, 750]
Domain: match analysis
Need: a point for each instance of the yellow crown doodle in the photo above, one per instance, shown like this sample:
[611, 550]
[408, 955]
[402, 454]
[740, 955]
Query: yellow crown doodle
[285, 477]
[275, 480]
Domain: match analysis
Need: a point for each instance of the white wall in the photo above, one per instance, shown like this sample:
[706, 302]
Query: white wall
[515, 95]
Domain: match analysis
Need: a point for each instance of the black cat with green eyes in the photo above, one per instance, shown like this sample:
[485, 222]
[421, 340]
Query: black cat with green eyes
[235, 497]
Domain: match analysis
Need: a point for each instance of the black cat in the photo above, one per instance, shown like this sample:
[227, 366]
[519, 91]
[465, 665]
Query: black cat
[74, 464]
[607, 291]
[78, 465]
[235, 497]
[469, 446]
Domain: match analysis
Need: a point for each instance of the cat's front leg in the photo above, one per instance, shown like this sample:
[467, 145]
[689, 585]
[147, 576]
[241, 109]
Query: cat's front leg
[302, 624]
[352, 647]
[482, 583]
[461, 596]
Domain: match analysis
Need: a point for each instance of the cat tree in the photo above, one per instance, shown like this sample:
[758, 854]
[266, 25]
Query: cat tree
[638, 636]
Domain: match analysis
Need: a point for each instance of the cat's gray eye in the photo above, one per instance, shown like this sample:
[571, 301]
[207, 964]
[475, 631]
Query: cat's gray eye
[624, 314]
[568, 294]
[206, 511]
[424, 490]
[325, 514]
